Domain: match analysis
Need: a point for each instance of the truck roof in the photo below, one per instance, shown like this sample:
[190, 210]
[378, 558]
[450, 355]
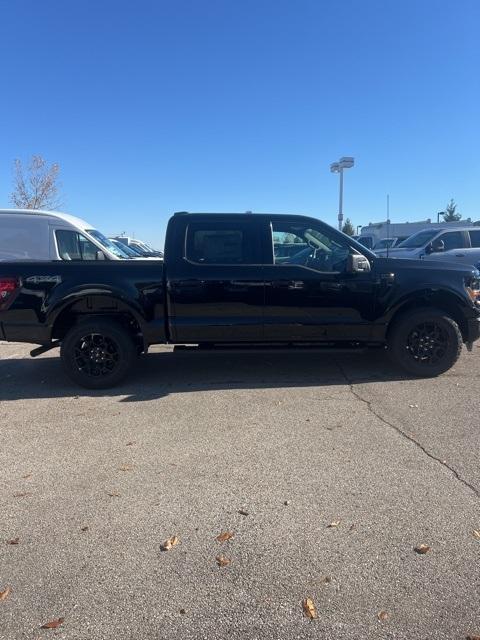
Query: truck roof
[238, 214]
[77, 222]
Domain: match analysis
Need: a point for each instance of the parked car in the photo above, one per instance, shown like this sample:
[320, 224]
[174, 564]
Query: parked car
[459, 245]
[132, 253]
[141, 247]
[27, 234]
[224, 281]
[388, 243]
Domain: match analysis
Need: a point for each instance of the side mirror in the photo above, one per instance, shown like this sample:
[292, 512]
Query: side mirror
[100, 255]
[357, 263]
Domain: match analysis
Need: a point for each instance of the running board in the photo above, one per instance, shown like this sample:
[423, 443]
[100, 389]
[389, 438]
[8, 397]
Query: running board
[44, 348]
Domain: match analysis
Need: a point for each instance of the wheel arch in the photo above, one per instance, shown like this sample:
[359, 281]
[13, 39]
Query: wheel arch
[442, 300]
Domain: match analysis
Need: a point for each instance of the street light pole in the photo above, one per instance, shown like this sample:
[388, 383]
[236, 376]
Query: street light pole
[338, 167]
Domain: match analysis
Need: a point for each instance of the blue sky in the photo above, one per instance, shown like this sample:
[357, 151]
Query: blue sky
[225, 105]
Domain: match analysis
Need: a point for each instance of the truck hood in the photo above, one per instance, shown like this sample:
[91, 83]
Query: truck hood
[394, 265]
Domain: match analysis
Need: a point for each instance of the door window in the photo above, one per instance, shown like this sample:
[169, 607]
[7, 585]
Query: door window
[74, 246]
[452, 240]
[300, 244]
[475, 238]
[222, 243]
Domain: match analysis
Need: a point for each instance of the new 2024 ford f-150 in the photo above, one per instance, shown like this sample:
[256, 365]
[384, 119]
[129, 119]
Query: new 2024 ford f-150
[241, 279]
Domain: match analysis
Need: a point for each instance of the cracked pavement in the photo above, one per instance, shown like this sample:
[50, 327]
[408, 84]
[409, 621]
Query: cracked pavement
[295, 440]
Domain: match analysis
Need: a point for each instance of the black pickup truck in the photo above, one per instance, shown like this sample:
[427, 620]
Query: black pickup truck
[241, 279]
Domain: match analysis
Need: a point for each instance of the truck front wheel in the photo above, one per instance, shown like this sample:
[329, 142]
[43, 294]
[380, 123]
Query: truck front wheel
[97, 354]
[426, 342]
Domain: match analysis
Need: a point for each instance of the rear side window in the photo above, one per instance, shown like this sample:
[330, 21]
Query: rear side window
[74, 246]
[222, 243]
[475, 238]
[452, 240]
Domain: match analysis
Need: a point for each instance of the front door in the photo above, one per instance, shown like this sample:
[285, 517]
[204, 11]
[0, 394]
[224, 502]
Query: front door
[309, 295]
[216, 290]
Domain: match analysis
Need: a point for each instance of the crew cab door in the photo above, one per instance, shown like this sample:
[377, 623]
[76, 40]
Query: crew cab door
[309, 294]
[215, 287]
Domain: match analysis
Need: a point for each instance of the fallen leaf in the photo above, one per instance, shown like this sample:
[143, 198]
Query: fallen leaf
[125, 467]
[13, 541]
[352, 527]
[413, 406]
[169, 543]
[242, 512]
[335, 523]
[113, 494]
[473, 637]
[53, 624]
[422, 548]
[476, 534]
[222, 561]
[286, 502]
[21, 494]
[226, 535]
[383, 615]
[129, 444]
[326, 579]
[85, 528]
[309, 608]
[183, 612]
[29, 475]
[5, 593]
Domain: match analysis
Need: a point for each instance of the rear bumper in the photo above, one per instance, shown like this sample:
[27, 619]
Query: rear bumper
[34, 334]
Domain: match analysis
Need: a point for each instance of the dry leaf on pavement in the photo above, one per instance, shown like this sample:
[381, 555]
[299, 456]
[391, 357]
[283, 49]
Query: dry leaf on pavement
[470, 637]
[169, 543]
[309, 608]
[125, 467]
[422, 548]
[226, 535]
[242, 512]
[383, 615]
[5, 593]
[113, 494]
[53, 624]
[476, 534]
[21, 494]
[335, 523]
[222, 561]
[13, 541]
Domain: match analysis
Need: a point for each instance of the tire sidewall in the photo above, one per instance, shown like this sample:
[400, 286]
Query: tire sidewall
[398, 341]
[114, 332]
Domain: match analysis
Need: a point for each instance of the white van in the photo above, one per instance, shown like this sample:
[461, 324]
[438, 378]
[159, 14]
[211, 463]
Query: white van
[27, 234]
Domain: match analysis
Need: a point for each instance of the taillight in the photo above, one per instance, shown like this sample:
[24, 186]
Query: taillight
[8, 289]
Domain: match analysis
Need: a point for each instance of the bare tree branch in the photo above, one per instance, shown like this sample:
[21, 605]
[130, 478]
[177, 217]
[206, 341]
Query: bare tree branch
[38, 186]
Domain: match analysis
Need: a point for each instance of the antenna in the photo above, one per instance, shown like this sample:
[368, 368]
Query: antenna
[388, 223]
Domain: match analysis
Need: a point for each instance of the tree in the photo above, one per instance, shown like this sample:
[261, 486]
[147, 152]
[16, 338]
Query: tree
[348, 228]
[451, 214]
[37, 186]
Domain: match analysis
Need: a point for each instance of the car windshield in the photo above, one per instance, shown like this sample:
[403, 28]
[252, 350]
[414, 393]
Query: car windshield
[418, 239]
[383, 244]
[126, 249]
[107, 244]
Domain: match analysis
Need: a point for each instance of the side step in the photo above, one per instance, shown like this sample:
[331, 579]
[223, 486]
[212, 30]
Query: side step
[44, 348]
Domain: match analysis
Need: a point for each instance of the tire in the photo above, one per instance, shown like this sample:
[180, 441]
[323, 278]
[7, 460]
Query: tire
[425, 343]
[97, 354]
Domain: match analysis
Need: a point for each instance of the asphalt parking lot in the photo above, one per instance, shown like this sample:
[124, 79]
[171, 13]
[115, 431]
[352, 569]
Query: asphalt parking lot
[272, 448]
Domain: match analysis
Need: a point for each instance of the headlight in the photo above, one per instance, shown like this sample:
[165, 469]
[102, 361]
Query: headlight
[472, 287]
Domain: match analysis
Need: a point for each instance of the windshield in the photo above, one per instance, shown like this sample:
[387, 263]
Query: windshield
[383, 244]
[418, 239]
[107, 244]
[126, 249]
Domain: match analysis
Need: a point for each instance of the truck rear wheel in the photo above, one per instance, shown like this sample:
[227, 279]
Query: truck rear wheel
[97, 354]
[426, 342]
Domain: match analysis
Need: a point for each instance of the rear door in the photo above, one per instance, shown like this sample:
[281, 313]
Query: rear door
[216, 287]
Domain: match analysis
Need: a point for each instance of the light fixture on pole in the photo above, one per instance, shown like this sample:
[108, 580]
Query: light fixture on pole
[338, 167]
